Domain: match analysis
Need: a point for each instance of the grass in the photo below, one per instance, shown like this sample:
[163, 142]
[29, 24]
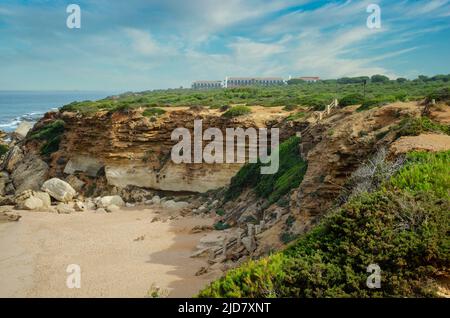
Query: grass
[402, 227]
[237, 111]
[271, 186]
[51, 135]
[315, 95]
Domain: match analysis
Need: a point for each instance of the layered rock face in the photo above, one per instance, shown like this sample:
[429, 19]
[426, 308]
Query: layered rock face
[131, 149]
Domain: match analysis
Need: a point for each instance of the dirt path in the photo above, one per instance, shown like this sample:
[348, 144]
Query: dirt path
[120, 254]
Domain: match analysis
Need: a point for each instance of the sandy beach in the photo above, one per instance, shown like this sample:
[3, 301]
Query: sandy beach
[121, 254]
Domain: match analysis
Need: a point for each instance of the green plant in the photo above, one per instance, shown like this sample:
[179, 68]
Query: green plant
[402, 227]
[237, 111]
[51, 134]
[220, 212]
[271, 186]
[414, 126]
[351, 99]
[220, 226]
[3, 149]
[153, 111]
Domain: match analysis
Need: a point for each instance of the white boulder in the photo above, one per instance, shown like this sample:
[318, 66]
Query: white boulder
[59, 190]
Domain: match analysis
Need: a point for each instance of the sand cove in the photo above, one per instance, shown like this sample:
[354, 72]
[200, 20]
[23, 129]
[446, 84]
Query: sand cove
[121, 254]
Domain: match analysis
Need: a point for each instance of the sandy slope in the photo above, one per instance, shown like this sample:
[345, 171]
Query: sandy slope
[35, 253]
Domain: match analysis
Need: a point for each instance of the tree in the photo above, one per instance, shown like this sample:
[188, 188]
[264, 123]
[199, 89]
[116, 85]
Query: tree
[401, 80]
[379, 78]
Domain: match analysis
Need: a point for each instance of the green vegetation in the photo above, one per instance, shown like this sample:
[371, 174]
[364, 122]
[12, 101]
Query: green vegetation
[372, 103]
[299, 93]
[402, 227]
[51, 135]
[351, 99]
[153, 111]
[237, 111]
[3, 149]
[296, 116]
[220, 226]
[412, 126]
[290, 174]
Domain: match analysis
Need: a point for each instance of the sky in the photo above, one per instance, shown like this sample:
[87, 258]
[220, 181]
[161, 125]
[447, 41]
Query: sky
[137, 45]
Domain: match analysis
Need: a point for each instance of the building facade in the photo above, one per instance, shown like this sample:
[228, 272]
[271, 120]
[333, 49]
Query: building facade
[309, 79]
[207, 84]
[231, 82]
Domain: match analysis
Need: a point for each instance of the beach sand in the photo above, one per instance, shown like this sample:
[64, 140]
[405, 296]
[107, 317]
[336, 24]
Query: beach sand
[121, 254]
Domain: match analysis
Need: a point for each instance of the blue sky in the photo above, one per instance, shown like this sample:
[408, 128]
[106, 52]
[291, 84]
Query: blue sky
[146, 44]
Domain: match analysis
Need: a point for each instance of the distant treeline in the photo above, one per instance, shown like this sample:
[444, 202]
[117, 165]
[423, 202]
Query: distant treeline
[378, 78]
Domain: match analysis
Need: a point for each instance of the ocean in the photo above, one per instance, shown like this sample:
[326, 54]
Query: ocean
[17, 106]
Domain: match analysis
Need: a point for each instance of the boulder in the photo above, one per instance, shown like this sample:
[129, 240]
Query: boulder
[4, 177]
[103, 202]
[64, 208]
[33, 201]
[89, 165]
[59, 190]
[156, 200]
[14, 156]
[112, 208]
[22, 130]
[75, 183]
[79, 206]
[170, 204]
[29, 174]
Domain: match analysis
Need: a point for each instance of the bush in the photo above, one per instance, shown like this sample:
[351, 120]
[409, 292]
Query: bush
[153, 111]
[402, 227]
[412, 126]
[3, 149]
[372, 103]
[440, 95]
[351, 99]
[51, 134]
[290, 174]
[220, 226]
[237, 111]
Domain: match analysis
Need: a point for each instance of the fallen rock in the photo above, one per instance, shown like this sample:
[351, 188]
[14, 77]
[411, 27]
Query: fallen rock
[170, 204]
[100, 210]
[103, 202]
[155, 219]
[201, 271]
[22, 130]
[14, 156]
[33, 201]
[79, 206]
[64, 208]
[90, 166]
[29, 174]
[156, 199]
[75, 183]
[112, 208]
[59, 189]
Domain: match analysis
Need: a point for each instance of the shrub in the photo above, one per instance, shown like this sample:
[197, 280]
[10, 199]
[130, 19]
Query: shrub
[237, 111]
[220, 226]
[51, 134]
[296, 116]
[351, 99]
[440, 95]
[153, 111]
[401, 227]
[290, 174]
[412, 126]
[3, 149]
[372, 103]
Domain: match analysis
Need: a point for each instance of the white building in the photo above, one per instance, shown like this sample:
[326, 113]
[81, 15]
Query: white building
[207, 84]
[253, 81]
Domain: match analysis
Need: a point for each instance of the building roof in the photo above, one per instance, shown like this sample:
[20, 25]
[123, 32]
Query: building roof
[206, 82]
[256, 78]
[309, 78]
